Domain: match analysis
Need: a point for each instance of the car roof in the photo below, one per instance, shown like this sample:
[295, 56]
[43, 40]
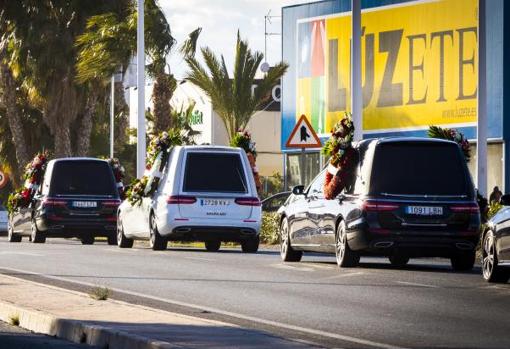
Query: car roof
[383, 140]
[77, 159]
[211, 148]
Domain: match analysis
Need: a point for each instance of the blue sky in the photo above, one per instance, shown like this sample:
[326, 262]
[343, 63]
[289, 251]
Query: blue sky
[220, 20]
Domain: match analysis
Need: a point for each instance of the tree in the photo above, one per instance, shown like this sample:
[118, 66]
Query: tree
[232, 98]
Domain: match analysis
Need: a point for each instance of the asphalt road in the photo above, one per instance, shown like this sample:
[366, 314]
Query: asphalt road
[12, 337]
[424, 305]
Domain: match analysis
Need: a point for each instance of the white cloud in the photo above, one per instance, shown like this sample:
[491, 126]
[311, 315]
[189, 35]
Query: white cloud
[220, 20]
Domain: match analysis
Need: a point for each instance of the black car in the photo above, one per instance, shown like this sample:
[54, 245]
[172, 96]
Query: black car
[78, 198]
[274, 202]
[496, 245]
[409, 197]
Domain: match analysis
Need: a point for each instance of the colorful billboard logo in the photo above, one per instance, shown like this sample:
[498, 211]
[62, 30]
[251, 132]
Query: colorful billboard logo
[419, 66]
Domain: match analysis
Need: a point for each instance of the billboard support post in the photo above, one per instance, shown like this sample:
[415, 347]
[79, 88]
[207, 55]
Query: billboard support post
[140, 58]
[356, 92]
[481, 130]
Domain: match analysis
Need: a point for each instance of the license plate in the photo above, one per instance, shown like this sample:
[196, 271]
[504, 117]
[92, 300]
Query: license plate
[84, 204]
[425, 210]
[214, 202]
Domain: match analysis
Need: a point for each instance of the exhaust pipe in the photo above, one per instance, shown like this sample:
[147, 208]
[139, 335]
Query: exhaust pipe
[464, 246]
[383, 244]
[182, 230]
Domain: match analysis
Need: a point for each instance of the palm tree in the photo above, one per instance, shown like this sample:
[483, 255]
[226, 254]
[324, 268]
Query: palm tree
[232, 98]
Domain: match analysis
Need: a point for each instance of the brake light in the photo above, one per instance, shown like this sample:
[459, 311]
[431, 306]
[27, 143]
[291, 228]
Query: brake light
[181, 200]
[111, 203]
[54, 203]
[378, 206]
[248, 201]
[468, 208]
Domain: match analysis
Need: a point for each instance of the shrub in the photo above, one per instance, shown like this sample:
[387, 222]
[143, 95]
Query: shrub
[100, 293]
[14, 320]
[270, 230]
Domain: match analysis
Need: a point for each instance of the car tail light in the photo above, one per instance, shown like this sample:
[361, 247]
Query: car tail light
[467, 208]
[379, 206]
[248, 201]
[181, 200]
[54, 203]
[111, 203]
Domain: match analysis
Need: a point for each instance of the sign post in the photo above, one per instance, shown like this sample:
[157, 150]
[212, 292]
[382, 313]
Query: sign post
[303, 136]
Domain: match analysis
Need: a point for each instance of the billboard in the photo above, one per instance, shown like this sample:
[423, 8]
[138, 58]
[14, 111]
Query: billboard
[419, 66]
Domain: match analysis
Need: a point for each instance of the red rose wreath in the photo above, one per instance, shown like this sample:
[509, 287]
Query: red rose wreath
[343, 157]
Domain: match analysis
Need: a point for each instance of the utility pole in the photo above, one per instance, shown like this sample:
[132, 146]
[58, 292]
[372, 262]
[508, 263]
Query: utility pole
[356, 92]
[112, 115]
[140, 57]
[267, 19]
[481, 130]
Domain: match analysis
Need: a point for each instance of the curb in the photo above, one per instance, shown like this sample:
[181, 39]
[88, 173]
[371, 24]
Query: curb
[79, 331]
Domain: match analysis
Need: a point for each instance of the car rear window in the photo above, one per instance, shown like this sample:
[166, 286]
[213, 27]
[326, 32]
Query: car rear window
[82, 178]
[214, 172]
[419, 169]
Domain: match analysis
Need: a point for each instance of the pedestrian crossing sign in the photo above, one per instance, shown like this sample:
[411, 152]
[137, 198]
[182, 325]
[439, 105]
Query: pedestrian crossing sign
[303, 135]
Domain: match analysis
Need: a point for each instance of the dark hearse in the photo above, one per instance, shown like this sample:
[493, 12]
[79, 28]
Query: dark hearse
[409, 197]
[78, 198]
[496, 245]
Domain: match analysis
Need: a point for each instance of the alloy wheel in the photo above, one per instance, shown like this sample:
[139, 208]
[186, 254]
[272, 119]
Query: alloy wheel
[488, 255]
[284, 239]
[341, 241]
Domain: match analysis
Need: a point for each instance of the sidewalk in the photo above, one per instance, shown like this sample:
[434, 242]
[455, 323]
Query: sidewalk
[117, 325]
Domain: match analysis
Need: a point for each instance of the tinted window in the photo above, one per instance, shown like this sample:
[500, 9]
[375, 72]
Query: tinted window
[419, 169]
[82, 178]
[213, 172]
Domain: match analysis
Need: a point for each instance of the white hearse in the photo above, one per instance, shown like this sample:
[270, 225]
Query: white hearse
[206, 194]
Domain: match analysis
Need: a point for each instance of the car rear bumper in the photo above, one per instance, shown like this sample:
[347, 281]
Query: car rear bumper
[76, 227]
[414, 244]
[206, 233]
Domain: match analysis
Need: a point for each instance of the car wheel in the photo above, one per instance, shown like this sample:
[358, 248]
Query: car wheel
[492, 272]
[251, 245]
[398, 260]
[464, 261]
[87, 239]
[212, 245]
[287, 253]
[345, 257]
[122, 240]
[156, 241]
[36, 236]
[11, 235]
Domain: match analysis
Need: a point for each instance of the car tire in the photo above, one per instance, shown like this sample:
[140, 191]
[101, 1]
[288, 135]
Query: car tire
[287, 253]
[87, 239]
[251, 245]
[112, 239]
[156, 241]
[345, 257]
[491, 271]
[464, 261]
[399, 260]
[122, 240]
[212, 245]
[36, 235]
[11, 235]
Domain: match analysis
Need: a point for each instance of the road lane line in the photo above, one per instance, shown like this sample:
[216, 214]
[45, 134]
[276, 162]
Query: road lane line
[21, 253]
[201, 259]
[339, 276]
[416, 284]
[346, 338]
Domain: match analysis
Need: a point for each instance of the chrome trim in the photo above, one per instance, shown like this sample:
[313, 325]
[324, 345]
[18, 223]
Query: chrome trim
[424, 224]
[424, 196]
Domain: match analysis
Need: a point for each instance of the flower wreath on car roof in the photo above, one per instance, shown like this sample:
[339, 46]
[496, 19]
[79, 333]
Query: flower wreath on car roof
[157, 157]
[33, 175]
[343, 157]
[242, 139]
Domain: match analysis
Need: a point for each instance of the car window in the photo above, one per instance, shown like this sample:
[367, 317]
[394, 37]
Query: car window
[316, 187]
[82, 178]
[420, 168]
[214, 172]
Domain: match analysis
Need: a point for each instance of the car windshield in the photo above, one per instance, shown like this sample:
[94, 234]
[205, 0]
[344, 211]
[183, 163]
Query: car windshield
[421, 168]
[82, 177]
[214, 172]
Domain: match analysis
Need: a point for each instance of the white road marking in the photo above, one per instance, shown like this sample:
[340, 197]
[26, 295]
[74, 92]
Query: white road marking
[201, 259]
[21, 253]
[339, 276]
[290, 267]
[416, 284]
[311, 331]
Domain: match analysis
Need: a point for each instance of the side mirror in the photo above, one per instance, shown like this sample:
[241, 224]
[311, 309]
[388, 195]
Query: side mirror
[505, 200]
[298, 190]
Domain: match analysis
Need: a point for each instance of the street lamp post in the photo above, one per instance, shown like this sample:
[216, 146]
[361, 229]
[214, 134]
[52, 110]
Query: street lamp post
[481, 130]
[140, 57]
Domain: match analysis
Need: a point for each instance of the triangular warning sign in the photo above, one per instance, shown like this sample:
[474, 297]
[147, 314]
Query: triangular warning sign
[303, 135]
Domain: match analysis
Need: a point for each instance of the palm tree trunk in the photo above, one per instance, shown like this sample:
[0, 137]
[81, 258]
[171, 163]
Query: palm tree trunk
[62, 142]
[164, 88]
[83, 141]
[13, 115]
